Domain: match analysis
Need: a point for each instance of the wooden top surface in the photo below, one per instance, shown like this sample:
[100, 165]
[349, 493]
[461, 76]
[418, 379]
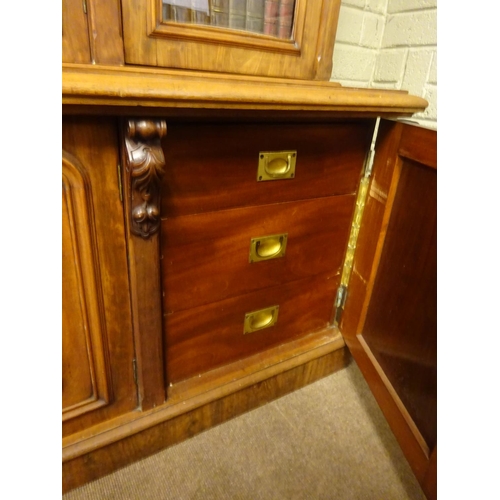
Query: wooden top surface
[84, 85]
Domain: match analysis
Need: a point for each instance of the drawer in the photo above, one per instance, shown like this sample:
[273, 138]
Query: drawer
[212, 167]
[204, 338]
[206, 257]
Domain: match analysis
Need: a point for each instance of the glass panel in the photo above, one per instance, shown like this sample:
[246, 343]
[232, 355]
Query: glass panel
[269, 17]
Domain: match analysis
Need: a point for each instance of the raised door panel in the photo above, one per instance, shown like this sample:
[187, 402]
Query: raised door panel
[84, 370]
[98, 351]
[153, 36]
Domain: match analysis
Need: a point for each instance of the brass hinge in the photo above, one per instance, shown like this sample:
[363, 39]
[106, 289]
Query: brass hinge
[120, 186]
[371, 153]
[84, 6]
[134, 368]
[355, 226]
[339, 303]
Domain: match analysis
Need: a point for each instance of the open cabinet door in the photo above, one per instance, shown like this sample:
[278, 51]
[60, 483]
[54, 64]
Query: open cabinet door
[389, 316]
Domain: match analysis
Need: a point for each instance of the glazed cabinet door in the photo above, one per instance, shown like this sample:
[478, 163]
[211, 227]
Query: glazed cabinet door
[98, 351]
[278, 38]
[390, 316]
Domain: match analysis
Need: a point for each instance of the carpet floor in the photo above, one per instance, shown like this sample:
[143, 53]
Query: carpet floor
[328, 440]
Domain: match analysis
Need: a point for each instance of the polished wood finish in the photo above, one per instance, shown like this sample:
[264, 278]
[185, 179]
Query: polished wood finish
[75, 33]
[175, 312]
[205, 257]
[197, 405]
[92, 32]
[150, 42]
[144, 170]
[206, 337]
[224, 164]
[95, 281]
[143, 162]
[400, 326]
[106, 38]
[131, 86]
[85, 371]
[149, 302]
[383, 306]
[419, 145]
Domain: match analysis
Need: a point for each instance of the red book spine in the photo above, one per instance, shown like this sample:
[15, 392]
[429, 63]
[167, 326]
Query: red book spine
[285, 18]
[271, 17]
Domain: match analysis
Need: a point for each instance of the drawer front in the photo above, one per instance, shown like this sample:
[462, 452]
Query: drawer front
[206, 257]
[212, 167]
[207, 337]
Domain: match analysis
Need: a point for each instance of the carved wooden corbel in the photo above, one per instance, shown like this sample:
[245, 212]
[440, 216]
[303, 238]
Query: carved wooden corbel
[144, 167]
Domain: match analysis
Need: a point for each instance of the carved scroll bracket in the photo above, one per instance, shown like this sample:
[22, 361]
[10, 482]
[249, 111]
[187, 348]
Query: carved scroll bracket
[144, 167]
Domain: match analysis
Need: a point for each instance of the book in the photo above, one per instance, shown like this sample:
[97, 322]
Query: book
[180, 14]
[219, 12]
[255, 16]
[237, 14]
[271, 17]
[285, 18]
[200, 12]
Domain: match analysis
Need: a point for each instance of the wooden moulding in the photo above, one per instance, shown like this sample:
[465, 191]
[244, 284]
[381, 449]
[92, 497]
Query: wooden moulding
[131, 86]
[143, 163]
[198, 404]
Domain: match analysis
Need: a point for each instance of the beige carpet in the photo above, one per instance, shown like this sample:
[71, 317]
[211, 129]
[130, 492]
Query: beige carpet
[326, 441]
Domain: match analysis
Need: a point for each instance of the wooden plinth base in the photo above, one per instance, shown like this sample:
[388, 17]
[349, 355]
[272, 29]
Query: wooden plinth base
[197, 405]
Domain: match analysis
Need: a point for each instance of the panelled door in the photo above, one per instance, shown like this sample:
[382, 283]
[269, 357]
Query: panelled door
[97, 341]
[389, 319]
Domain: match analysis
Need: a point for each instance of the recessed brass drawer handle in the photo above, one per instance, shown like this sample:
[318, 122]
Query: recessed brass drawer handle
[258, 320]
[268, 247]
[275, 165]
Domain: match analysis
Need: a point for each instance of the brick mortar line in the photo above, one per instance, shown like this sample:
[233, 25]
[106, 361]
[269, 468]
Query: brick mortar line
[357, 45]
[412, 11]
[424, 46]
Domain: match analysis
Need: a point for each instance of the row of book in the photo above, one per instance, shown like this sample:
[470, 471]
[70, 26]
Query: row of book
[270, 17]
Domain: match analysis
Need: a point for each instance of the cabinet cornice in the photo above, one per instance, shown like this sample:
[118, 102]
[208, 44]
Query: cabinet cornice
[153, 88]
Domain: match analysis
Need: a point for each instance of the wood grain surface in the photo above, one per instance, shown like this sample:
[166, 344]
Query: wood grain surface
[94, 85]
[149, 42]
[144, 257]
[205, 257]
[214, 166]
[85, 370]
[93, 142]
[401, 324]
[75, 33]
[391, 303]
[203, 338]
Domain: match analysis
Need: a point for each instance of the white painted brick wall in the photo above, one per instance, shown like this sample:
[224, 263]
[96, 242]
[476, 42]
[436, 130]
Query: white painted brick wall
[389, 44]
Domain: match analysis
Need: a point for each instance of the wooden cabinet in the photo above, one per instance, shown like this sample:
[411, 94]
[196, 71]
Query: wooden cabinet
[205, 37]
[224, 234]
[98, 350]
[153, 38]
[216, 203]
